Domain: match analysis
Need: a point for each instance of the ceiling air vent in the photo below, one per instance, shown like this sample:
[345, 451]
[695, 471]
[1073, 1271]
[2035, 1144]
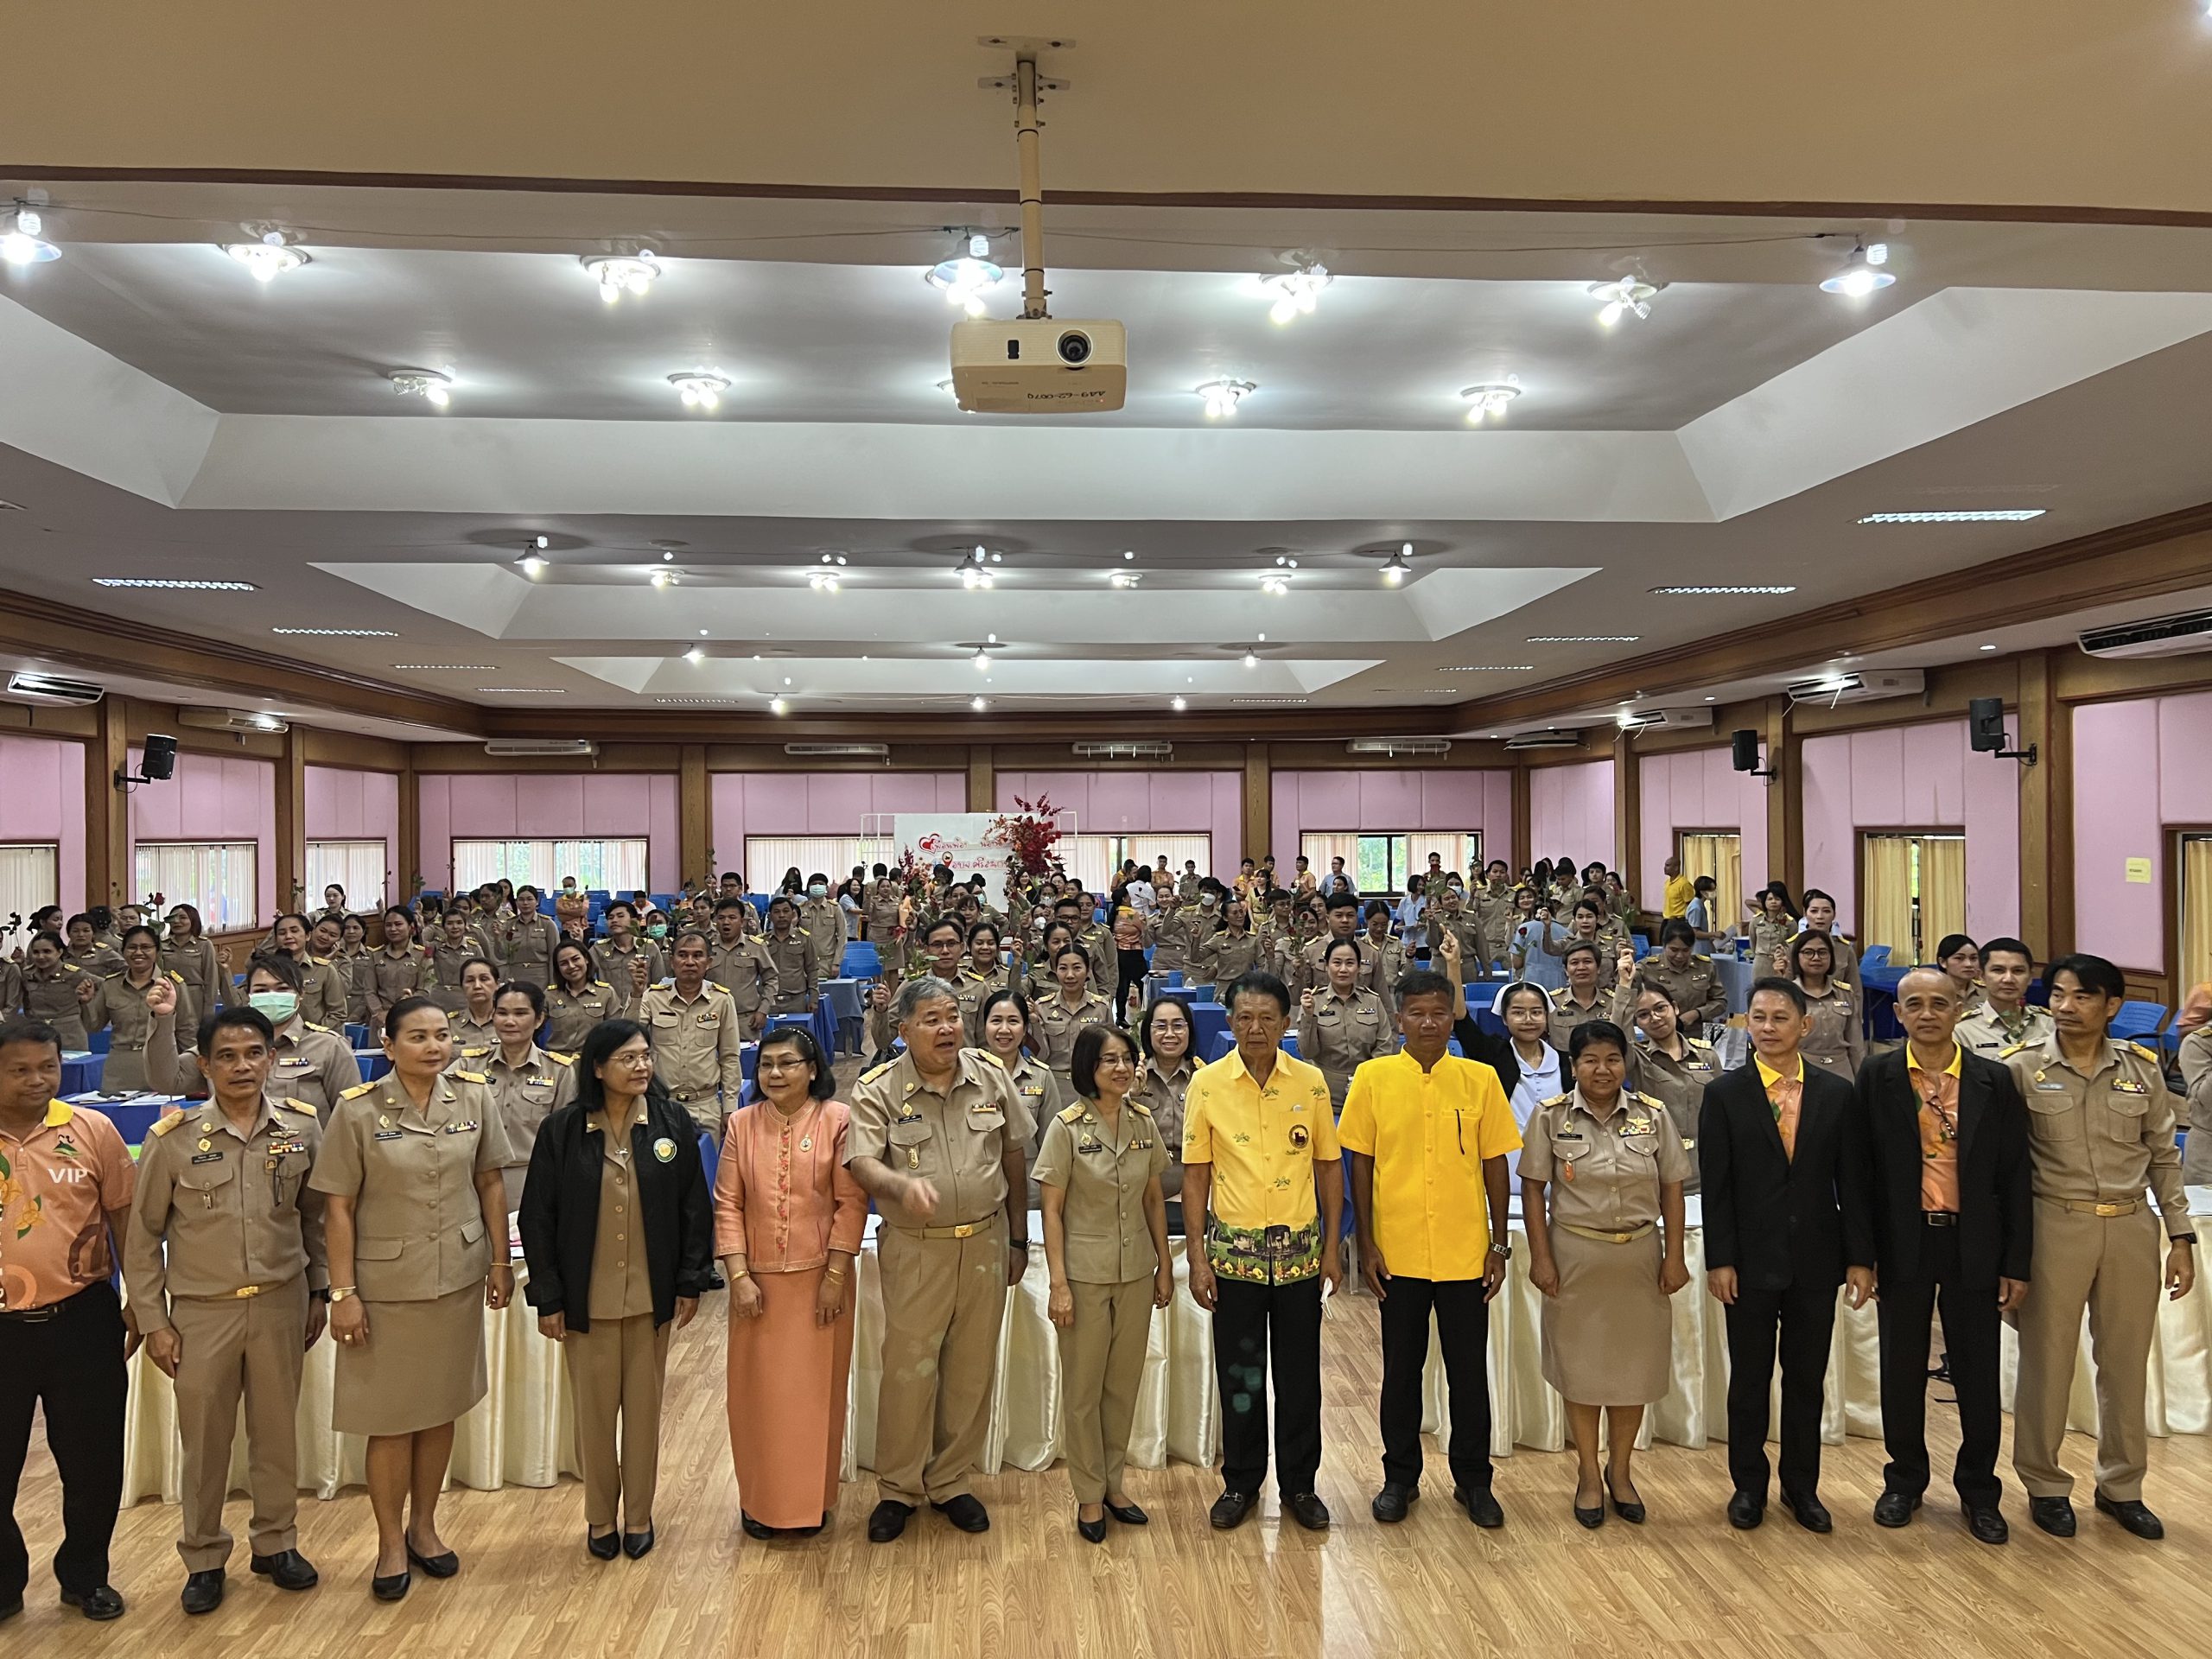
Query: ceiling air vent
[1125, 751]
[1399, 746]
[1545, 740]
[2162, 636]
[46, 688]
[839, 750]
[516, 748]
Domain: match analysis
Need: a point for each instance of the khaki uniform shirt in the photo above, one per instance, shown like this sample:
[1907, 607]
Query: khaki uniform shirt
[353, 968]
[1567, 1014]
[1341, 1033]
[570, 1015]
[1097, 943]
[1385, 966]
[747, 971]
[526, 1095]
[621, 1285]
[697, 1046]
[322, 994]
[1162, 1092]
[121, 1006]
[468, 1032]
[1055, 1026]
[1679, 1084]
[956, 1140]
[529, 950]
[1605, 1173]
[2196, 1077]
[11, 989]
[879, 909]
[972, 988]
[1836, 1042]
[2103, 1137]
[1172, 931]
[1465, 925]
[1988, 1033]
[386, 978]
[1226, 958]
[1042, 1097]
[313, 1065]
[825, 920]
[1104, 1176]
[51, 999]
[612, 962]
[1700, 998]
[194, 961]
[96, 958]
[418, 1225]
[798, 970]
[1495, 917]
[218, 1212]
[1309, 972]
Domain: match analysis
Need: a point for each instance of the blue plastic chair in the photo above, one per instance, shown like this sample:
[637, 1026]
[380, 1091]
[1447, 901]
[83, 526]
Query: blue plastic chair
[1875, 955]
[2137, 1020]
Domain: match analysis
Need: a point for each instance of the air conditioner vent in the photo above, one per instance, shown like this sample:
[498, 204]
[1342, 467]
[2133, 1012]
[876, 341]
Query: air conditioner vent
[512, 749]
[2161, 636]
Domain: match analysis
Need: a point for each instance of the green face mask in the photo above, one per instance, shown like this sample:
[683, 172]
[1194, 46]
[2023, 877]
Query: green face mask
[276, 1007]
[658, 931]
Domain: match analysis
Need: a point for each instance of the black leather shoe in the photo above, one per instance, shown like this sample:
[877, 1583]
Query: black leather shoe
[1632, 1511]
[753, 1529]
[99, 1605]
[1308, 1511]
[438, 1566]
[1811, 1513]
[390, 1589]
[2131, 1514]
[715, 1279]
[1093, 1532]
[203, 1592]
[1391, 1503]
[966, 1512]
[638, 1545]
[887, 1520]
[1984, 1522]
[2054, 1515]
[287, 1570]
[1230, 1508]
[1127, 1514]
[603, 1546]
[1895, 1509]
[1481, 1506]
[1592, 1519]
[1746, 1510]
[10, 1607]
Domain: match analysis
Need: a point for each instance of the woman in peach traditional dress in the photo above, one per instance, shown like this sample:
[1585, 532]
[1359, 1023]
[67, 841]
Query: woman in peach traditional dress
[788, 1222]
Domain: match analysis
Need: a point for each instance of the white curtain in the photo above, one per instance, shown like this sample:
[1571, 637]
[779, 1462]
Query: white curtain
[2195, 914]
[218, 878]
[614, 865]
[1094, 860]
[1457, 851]
[767, 857]
[1319, 846]
[357, 866]
[27, 880]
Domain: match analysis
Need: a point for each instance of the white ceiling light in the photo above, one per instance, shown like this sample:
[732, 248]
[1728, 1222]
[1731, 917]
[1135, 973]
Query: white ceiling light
[1698, 589]
[192, 583]
[1491, 397]
[1277, 585]
[1222, 395]
[617, 274]
[823, 581]
[1398, 566]
[1994, 516]
[964, 279]
[339, 633]
[1584, 638]
[1178, 704]
[1251, 658]
[695, 656]
[1126, 578]
[532, 566]
[1491, 667]
[1861, 273]
[777, 706]
[1296, 292]
[981, 659]
[269, 257]
[433, 387]
[700, 388]
[665, 578]
[1988, 647]
[24, 244]
[522, 691]
[973, 571]
[443, 668]
[1629, 297]
[978, 704]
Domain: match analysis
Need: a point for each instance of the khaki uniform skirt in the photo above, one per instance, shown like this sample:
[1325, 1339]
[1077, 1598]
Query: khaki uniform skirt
[421, 1366]
[1609, 1333]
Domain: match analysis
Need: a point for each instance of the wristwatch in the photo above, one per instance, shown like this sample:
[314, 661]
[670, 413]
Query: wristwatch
[320, 1296]
[340, 1292]
[2181, 1238]
[1504, 1250]
[1017, 1244]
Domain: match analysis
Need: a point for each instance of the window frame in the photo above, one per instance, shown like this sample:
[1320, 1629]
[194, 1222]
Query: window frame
[215, 922]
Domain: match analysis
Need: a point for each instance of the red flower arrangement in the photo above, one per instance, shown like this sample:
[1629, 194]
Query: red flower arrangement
[1028, 836]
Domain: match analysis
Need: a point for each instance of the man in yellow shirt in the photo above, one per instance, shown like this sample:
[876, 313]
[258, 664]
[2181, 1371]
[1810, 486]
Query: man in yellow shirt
[1260, 1141]
[1429, 1135]
[1680, 890]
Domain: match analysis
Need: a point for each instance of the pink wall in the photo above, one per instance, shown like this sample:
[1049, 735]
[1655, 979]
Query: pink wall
[42, 798]
[214, 798]
[1120, 803]
[468, 806]
[2138, 767]
[1571, 810]
[1915, 777]
[346, 806]
[815, 803]
[1698, 789]
[1446, 801]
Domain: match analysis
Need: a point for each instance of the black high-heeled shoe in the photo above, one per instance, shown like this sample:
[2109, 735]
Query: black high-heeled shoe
[391, 1588]
[1591, 1518]
[1093, 1531]
[753, 1529]
[1631, 1513]
[604, 1546]
[438, 1566]
[1127, 1514]
[638, 1545]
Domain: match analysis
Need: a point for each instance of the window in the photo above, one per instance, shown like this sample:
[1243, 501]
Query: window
[613, 866]
[217, 878]
[2196, 932]
[29, 876]
[1094, 859]
[1718, 854]
[356, 865]
[1913, 889]
[1382, 862]
[767, 857]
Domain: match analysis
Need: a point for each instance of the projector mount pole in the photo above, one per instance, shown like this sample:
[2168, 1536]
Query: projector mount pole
[1025, 83]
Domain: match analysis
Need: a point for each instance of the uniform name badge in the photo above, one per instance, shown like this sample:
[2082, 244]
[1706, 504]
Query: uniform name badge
[665, 1149]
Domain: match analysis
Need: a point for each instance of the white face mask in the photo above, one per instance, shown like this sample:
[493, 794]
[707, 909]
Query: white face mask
[1208, 900]
[817, 891]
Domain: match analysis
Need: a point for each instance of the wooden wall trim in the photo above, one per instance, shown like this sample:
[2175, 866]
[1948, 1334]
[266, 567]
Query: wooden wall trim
[108, 874]
[1259, 803]
[291, 850]
[982, 778]
[695, 850]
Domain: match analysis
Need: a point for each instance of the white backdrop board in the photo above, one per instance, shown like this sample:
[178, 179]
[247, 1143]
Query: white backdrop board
[954, 838]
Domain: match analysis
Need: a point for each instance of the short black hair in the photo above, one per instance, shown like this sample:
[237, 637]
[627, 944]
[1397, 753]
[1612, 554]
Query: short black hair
[1066, 951]
[984, 927]
[1576, 948]
[938, 926]
[529, 989]
[2016, 946]
[407, 1005]
[1256, 983]
[1089, 1049]
[825, 1082]
[1342, 900]
[1951, 944]
[243, 1018]
[1595, 1031]
[1375, 907]
[277, 966]
[2091, 973]
[133, 931]
[1812, 893]
[1676, 928]
[1422, 981]
[1780, 987]
[30, 1031]
[1152, 1011]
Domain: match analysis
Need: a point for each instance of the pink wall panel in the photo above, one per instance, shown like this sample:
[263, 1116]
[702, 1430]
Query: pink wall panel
[348, 806]
[1393, 799]
[1699, 789]
[2118, 814]
[1132, 803]
[213, 798]
[1571, 810]
[816, 803]
[2185, 759]
[42, 798]
[565, 805]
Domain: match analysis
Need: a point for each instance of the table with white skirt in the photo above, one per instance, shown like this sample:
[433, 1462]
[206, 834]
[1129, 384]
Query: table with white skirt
[524, 1432]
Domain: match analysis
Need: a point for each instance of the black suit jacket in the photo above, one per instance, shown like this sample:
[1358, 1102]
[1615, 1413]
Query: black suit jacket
[1783, 1221]
[1996, 1207]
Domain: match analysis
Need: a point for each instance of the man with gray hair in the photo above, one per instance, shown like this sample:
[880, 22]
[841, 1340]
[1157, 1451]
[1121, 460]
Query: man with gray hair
[937, 1138]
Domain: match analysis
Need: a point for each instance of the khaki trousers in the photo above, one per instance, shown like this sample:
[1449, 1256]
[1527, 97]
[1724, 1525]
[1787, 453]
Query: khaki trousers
[1102, 1366]
[943, 1301]
[2112, 1266]
[253, 1346]
[707, 1113]
[615, 1371]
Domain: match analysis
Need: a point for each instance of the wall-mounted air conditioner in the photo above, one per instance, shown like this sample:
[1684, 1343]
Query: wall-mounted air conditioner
[233, 720]
[834, 750]
[1118, 750]
[1668, 720]
[49, 688]
[1399, 746]
[2162, 636]
[516, 748]
[1872, 686]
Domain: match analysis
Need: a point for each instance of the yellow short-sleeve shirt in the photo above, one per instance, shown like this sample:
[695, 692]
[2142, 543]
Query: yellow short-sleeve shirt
[1428, 1132]
[1262, 1140]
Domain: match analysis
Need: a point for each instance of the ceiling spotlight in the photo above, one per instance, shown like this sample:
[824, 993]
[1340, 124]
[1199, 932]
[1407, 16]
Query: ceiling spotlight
[617, 274]
[777, 706]
[1399, 565]
[695, 656]
[700, 389]
[964, 279]
[823, 581]
[1251, 659]
[269, 257]
[431, 386]
[1178, 704]
[1491, 398]
[23, 246]
[1701, 590]
[1126, 578]
[1129, 555]
[532, 566]
[1276, 585]
[833, 558]
[541, 543]
[1296, 292]
[972, 571]
[1631, 296]
[977, 704]
[1286, 561]
[1222, 397]
[1861, 273]
[981, 659]
[665, 578]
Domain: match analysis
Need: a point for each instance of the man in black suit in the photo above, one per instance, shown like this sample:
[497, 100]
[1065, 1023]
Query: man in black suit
[1954, 1220]
[1787, 1219]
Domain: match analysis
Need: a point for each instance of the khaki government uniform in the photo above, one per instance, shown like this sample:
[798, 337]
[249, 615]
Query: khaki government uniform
[386, 978]
[973, 989]
[570, 1015]
[99, 957]
[1679, 1084]
[421, 1251]
[1174, 930]
[353, 973]
[1385, 965]
[1226, 958]
[1162, 1093]
[1494, 917]
[1053, 1026]
[529, 950]
[2097, 1141]
[1767, 936]
[1310, 971]
[313, 1065]
[944, 1280]
[2196, 1077]
[1464, 924]
[747, 972]
[468, 1032]
[1608, 1334]
[1097, 943]
[879, 911]
[698, 1051]
[1341, 1033]
[11, 989]
[526, 1096]
[617, 1367]
[322, 993]
[1836, 1043]
[1567, 1014]
[1700, 1000]
[1989, 1034]
[51, 999]
[1108, 1261]
[121, 1006]
[194, 961]
[1042, 1099]
[798, 970]
[611, 962]
[225, 1248]
[824, 920]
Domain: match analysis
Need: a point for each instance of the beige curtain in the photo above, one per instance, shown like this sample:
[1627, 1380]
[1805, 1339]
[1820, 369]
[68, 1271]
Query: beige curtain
[1885, 898]
[1942, 890]
[1721, 856]
[2196, 913]
[1457, 851]
[1319, 846]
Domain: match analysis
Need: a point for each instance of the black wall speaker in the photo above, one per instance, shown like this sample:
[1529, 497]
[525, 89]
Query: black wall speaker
[1744, 748]
[159, 759]
[1985, 725]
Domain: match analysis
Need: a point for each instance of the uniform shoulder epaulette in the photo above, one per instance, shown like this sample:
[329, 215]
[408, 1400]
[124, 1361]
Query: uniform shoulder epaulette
[1139, 1108]
[299, 1106]
[1708, 961]
[71, 968]
[602, 985]
[871, 1075]
[1696, 1042]
[2147, 1053]
[1072, 1115]
[358, 1089]
[117, 974]
[474, 1053]
[311, 1025]
[320, 961]
[559, 1058]
[985, 1053]
[470, 1076]
[176, 976]
[2007, 1053]
[1649, 1100]
[1561, 993]
[163, 1125]
[1556, 1099]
